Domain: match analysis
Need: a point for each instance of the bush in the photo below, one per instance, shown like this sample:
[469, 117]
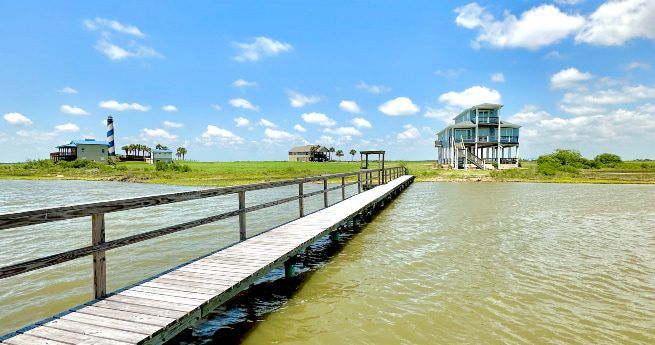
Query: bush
[82, 164]
[163, 166]
[566, 161]
[608, 159]
[39, 164]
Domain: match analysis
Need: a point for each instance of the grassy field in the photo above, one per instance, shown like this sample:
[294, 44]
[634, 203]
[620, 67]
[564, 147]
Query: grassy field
[231, 173]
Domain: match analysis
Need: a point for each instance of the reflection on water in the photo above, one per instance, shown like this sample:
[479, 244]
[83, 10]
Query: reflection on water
[445, 263]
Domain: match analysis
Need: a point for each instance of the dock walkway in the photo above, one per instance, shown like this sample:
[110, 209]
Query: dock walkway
[155, 310]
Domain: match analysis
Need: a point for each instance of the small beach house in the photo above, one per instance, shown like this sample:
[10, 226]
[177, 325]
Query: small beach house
[88, 149]
[161, 155]
[479, 139]
[308, 153]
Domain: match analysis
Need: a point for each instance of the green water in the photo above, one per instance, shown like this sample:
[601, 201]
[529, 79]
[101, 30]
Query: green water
[485, 263]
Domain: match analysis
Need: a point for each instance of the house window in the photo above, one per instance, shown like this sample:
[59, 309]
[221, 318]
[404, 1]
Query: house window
[103, 150]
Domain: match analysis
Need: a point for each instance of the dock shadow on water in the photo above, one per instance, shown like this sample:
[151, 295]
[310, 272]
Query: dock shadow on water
[233, 321]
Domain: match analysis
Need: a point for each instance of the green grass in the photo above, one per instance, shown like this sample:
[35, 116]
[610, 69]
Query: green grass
[232, 173]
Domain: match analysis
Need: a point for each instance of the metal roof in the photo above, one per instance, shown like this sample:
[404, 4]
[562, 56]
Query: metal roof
[481, 106]
[74, 143]
[161, 151]
[374, 152]
[308, 148]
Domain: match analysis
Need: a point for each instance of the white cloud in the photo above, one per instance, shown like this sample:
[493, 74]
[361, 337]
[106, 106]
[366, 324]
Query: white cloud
[259, 47]
[171, 124]
[274, 134]
[593, 103]
[637, 65]
[569, 77]
[217, 135]
[116, 52]
[241, 122]
[68, 90]
[17, 119]
[361, 122]
[373, 88]
[117, 106]
[349, 106]
[498, 77]
[102, 23]
[400, 106]
[537, 27]
[216, 107]
[298, 100]
[266, 123]
[470, 97]
[169, 108]
[67, 127]
[568, 2]
[409, 133]
[73, 110]
[346, 132]
[318, 118]
[157, 134]
[243, 83]
[618, 21]
[243, 104]
[299, 128]
[441, 114]
[450, 73]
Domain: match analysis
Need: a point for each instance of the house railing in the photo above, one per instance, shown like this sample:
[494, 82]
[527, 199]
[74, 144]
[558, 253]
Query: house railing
[99, 246]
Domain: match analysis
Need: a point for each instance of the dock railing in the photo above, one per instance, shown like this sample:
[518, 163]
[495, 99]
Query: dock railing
[97, 212]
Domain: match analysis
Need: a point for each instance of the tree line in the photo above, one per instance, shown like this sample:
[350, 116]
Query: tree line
[141, 150]
[338, 153]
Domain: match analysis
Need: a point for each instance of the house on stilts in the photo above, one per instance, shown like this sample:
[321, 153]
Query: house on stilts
[479, 139]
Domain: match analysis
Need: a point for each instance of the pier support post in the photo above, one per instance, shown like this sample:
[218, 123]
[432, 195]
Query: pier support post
[289, 268]
[99, 261]
[343, 188]
[242, 216]
[334, 236]
[359, 182]
[301, 200]
[325, 193]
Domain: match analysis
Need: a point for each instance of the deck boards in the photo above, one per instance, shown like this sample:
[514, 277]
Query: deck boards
[156, 310]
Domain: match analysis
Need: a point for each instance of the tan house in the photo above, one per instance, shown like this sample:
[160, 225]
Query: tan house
[307, 154]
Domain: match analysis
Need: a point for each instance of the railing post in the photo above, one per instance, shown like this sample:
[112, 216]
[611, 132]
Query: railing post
[242, 215]
[359, 182]
[99, 262]
[343, 188]
[325, 193]
[301, 200]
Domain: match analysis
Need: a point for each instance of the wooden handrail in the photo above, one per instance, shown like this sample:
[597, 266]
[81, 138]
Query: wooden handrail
[97, 211]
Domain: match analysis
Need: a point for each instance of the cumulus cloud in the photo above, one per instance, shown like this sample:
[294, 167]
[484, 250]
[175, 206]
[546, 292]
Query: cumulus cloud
[102, 23]
[116, 52]
[470, 97]
[400, 106]
[171, 124]
[537, 27]
[450, 73]
[216, 135]
[67, 127]
[275, 135]
[299, 128]
[361, 122]
[349, 106]
[241, 122]
[596, 102]
[68, 90]
[376, 89]
[637, 65]
[318, 118]
[618, 21]
[243, 104]
[239, 83]
[569, 77]
[259, 47]
[498, 77]
[216, 107]
[129, 36]
[73, 110]
[169, 108]
[298, 100]
[441, 114]
[117, 106]
[266, 123]
[17, 119]
[343, 131]
[157, 134]
[409, 133]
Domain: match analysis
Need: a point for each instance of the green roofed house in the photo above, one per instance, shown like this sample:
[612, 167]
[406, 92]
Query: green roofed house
[88, 149]
[479, 139]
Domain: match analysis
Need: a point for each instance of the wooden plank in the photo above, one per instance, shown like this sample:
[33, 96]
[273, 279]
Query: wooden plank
[127, 316]
[192, 283]
[141, 309]
[143, 302]
[96, 331]
[25, 339]
[192, 302]
[104, 321]
[182, 287]
[70, 337]
[99, 263]
[173, 293]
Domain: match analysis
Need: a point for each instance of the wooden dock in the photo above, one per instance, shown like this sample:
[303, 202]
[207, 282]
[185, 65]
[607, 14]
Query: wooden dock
[155, 310]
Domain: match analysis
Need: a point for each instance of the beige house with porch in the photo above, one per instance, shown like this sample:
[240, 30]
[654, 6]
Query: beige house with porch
[306, 154]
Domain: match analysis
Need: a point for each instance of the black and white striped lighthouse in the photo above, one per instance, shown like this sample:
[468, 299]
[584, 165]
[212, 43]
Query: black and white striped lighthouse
[110, 136]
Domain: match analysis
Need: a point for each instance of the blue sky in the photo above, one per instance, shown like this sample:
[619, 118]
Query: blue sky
[247, 80]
